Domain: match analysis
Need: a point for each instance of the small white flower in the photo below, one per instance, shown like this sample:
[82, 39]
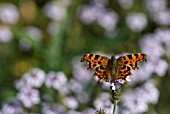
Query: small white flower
[136, 21]
[35, 77]
[52, 109]
[5, 34]
[55, 11]
[128, 79]
[12, 107]
[71, 102]
[149, 92]
[9, 13]
[155, 5]
[108, 20]
[89, 14]
[75, 86]
[113, 86]
[73, 112]
[161, 67]
[29, 97]
[134, 103]
[162, 17]
[152, 47]
[57, 80]
[79, 72]
[89, 111]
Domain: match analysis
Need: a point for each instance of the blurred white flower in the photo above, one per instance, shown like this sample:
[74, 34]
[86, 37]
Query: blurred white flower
[134, 103]
[12, 107]
[79, 71]
[125, 4]
[55, 11]
[103, 102]
[89, 13]
[34, 32]
[75, 86]
[73, 112]
[89, 111]
[35, 77]
[71, 102]
[144, 73]
[22, 83]
[57, 80]
[100, 3]
[152, 47]
[5, 34]
[136, 21]
[162, 17]
[108, 20]
[29, 97]
[155, 5]
[9, 13]
[148, 92]
[52, 109]
[161, 66]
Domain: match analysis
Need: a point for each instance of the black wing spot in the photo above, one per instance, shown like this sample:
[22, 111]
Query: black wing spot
[99, 62]
[96, 57]
[136, 55]
[126, 62]
[129, 56]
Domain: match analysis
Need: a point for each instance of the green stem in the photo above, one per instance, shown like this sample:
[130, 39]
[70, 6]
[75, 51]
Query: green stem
[115, 104]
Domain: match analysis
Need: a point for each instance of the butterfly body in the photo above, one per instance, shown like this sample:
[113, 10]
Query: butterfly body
[107, 68]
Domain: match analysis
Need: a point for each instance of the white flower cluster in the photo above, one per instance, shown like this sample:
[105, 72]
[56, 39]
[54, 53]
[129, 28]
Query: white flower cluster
[96, 12]
[136, 101]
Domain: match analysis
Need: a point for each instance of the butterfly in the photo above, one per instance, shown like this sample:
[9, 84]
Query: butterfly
[108, 68]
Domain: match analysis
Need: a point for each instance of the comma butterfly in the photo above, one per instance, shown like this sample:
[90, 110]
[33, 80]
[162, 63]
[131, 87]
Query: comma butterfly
[106, 68]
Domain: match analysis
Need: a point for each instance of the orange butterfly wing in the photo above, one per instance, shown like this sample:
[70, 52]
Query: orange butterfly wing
[132, 59]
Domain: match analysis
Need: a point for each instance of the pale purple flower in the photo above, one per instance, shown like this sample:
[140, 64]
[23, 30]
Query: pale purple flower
[155, 5]
[55, 11]
[22, 83]
[35, 77]
[132, 102]
[136, 21]
[144, 73]
[71, 102]
[73, 112]
[108, 20]
[75, 86]
[5, 34]
[161, 66]
[9, 13]
[100, 3]
[34, 32]
[79, 71]
[12, 107]
[152, 47]
[29, 97]
[89, 111]
[89, 13]
[125, 4]
[148, 92]
[58, 81]
[52, 109]
[162, 17]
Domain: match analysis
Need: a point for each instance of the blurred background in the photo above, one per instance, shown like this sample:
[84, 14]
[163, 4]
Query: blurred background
[41, 43]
